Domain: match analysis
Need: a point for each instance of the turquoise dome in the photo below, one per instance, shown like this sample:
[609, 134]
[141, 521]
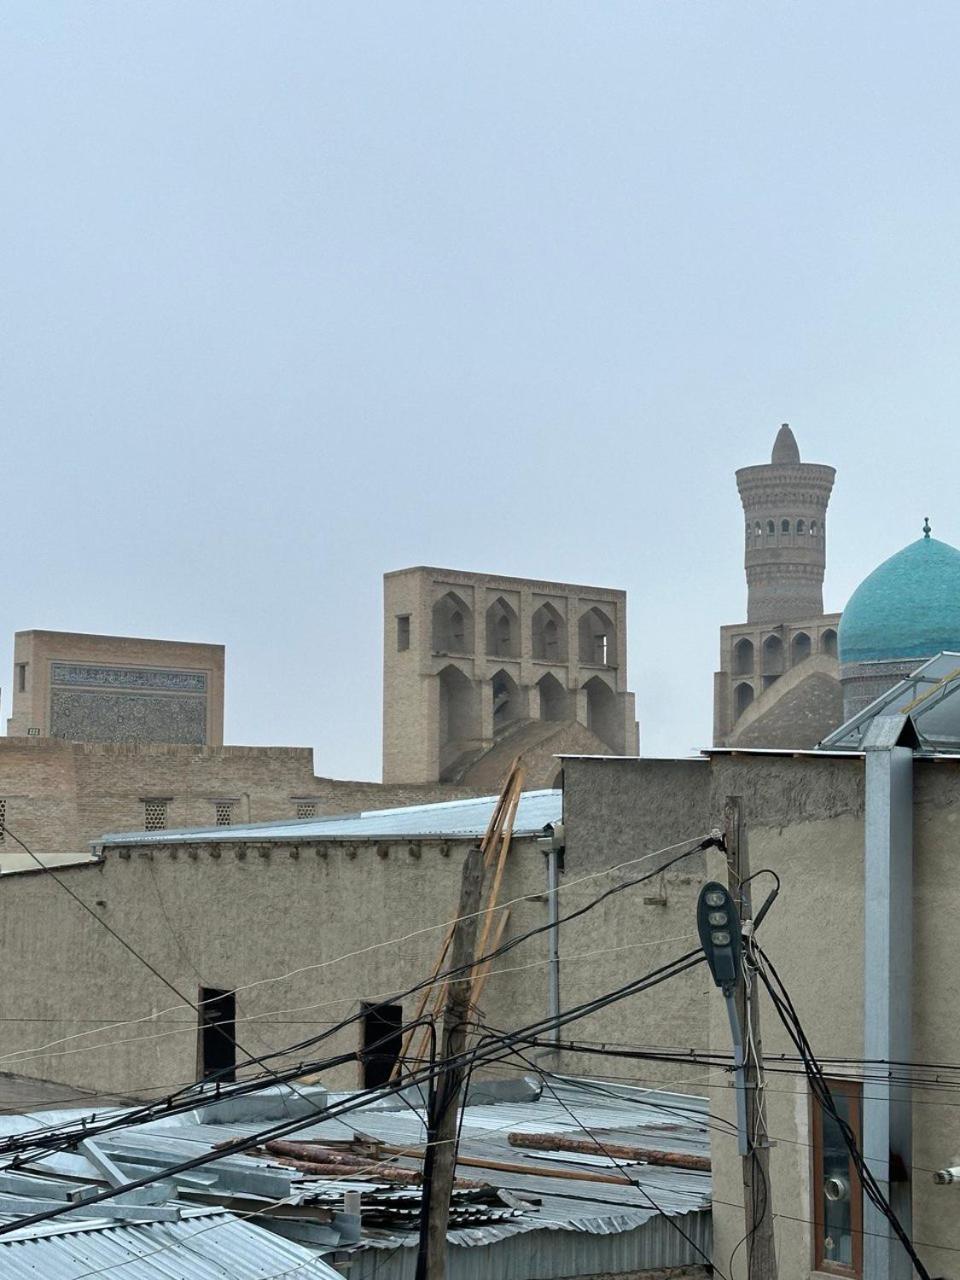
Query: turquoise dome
[909, 607]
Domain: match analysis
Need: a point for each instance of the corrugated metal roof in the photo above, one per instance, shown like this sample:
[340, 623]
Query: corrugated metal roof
[453, 818]
[201, 1246]
[521, 1222]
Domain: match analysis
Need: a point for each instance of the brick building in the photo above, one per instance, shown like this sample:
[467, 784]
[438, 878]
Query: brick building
[91, 688]
[479, 667]
[778, 683]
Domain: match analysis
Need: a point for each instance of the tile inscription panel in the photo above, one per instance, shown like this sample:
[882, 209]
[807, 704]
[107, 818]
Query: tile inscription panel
[96, 703]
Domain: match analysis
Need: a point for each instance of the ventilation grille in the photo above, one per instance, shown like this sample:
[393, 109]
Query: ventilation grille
[154, 815]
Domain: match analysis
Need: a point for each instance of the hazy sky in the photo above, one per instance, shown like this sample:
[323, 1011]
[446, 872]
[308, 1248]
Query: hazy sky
[296, 293]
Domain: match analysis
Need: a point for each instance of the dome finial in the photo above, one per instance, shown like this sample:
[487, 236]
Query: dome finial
[785, 446]
[926, 527]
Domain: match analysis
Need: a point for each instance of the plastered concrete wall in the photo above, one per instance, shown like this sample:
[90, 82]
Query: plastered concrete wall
[805, 821]
[229, 916]
[618, 812]
[803, 818]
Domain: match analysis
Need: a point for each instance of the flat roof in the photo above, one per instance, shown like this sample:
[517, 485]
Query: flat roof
[505, 577]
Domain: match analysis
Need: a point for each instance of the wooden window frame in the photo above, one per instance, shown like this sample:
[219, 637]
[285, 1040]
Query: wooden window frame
[853, 1090]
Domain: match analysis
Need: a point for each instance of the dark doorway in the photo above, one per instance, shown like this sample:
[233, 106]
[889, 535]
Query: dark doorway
[218, 1047]
[382, 1041]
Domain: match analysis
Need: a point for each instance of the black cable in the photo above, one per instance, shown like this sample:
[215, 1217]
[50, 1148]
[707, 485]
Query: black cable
[158, 1105]
[822, 1092]
[503, 1048]
[635, 1182]
[45, 1138]
[197, 1008]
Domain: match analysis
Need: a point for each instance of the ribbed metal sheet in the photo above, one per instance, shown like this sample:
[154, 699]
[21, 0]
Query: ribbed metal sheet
[207, 1246]
[549, 1255]
[464, 818]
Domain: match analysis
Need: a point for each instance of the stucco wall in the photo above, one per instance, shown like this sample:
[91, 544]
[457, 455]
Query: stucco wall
[615, 812]
[229, 916]
[805, 821]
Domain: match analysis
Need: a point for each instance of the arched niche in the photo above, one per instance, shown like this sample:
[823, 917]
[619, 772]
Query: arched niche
[459, 714]
[598, 642]
[742, 697]
[506, 701]
[452, 625]
[554, 702]
[549, 634]
[503, 630]
[743, 657]
[602, 712]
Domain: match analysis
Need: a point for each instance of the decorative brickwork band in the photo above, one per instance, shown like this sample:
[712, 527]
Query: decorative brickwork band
[140, 678]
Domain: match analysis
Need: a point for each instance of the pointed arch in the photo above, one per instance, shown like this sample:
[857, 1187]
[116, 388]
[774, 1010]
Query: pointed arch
[602, 712]
[459, 715]
[598, 641]
[743, 657]
[771, 659]
[506, 701]
[452, 625]
[549, 634]
[742, 697]
[554, 702]
[503, 630]
[828, 642]
[799, 648]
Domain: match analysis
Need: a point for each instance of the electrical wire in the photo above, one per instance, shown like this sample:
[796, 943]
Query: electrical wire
[635, 1182]
[821, 1090]
[355, 1101]
[698, 843]
[509, 945]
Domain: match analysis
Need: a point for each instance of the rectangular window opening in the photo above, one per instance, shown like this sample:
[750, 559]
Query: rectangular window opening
[837, 1192]
[381, 1041]
[306, 809]
[403, 632]
[217, 1028]
[154, 815]
[223, 810]
[21, 677]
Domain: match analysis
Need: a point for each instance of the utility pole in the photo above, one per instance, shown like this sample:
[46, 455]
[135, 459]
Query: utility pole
[440, 1161]
[757, 1187]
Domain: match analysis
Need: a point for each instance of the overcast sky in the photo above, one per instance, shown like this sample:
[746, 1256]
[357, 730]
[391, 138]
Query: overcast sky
[296, 293]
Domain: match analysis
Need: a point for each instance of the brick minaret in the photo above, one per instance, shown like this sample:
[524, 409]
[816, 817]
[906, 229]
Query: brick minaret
[785, 504]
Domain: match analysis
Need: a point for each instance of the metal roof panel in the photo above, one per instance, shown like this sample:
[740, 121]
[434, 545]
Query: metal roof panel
[453, 818]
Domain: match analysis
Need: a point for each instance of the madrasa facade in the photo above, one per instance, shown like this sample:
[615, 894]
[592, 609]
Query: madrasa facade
[791, 674]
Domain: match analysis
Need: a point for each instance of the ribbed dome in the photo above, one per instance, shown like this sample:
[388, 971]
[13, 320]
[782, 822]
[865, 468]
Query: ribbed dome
[909, 607]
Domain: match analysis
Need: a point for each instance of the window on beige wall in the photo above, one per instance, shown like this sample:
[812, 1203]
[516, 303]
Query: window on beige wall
[837, 1193]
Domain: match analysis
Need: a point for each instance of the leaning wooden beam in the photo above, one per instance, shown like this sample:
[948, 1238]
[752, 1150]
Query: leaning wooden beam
[482, 972]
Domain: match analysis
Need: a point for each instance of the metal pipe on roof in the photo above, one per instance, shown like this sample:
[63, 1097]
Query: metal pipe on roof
[552, 844]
